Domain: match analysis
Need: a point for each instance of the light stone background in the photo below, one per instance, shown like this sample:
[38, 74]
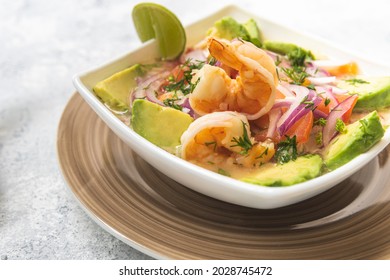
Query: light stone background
[43, 43]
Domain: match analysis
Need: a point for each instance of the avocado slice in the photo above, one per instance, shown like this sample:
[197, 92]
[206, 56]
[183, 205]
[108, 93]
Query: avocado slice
[359, 138]
[280, 47]
[115, 90]
[294, 53]
[293, 172]
[163, 126]
[228, 28]
[255, 35]
[373, 92]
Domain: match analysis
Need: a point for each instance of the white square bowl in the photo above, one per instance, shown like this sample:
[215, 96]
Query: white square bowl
[205, 181]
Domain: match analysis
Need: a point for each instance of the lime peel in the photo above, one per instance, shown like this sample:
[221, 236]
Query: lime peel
[155, 21]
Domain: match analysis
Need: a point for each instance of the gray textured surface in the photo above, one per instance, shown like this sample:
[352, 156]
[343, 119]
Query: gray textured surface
[43, 43]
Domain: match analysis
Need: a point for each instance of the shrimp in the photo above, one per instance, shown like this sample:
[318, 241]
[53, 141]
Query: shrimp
[219, 136]
[251, 93]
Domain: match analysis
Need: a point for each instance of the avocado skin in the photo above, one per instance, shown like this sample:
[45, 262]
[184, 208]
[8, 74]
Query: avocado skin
[163, 126]
[302, 169]
[115, 90]
[372, 96]
[358, 139]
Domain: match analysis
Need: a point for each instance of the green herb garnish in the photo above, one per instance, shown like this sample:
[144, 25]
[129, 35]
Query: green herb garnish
[296, 74]
[212, 61]
[171, 102]
[311, 86]
[319, 138]
[185, 84]
[320, 122]
[244, 142]
[287, 150]
[340, 126]
[309, 103]
[327, 101]
[356, 81]
[223, 172]
[213, 143]
[298, 56]
[264, 153]
[278, 60]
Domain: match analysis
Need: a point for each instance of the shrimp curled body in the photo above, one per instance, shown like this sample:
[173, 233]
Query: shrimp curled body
[251, 93]
[213, 138]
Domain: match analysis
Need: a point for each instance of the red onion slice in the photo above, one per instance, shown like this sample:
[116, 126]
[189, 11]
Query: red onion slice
[185, 103]
[149, 86]
[327, 92]
[274, 116]
[283, 103]
[327, 63]
[318, 81]
[284, 90]
[316, 71]
[193, 55]
[337, 90]
[329, 131]
[298, 109]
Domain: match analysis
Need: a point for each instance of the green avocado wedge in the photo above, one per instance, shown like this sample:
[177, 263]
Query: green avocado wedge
[163, 126]
[302, 169]
[228, 28]
[373, 92]
[359, 138]
[155, 21]
[294, 53]
[255, 35]
[115, 90]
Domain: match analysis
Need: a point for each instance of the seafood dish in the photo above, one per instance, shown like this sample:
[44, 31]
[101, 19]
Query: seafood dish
[265, 112]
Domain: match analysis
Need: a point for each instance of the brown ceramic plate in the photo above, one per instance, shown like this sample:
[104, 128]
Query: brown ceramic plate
[151, 212]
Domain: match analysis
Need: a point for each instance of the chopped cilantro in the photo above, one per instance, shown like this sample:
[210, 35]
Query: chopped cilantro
[319, 138]
[287, 150]
[326, 101]
[340, 126]
[320, 122]
[185, 84]
[171, 102]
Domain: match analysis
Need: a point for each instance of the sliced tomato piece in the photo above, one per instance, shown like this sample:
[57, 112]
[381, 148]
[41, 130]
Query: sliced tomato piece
[347, 114]
[302, 128]
[325, 108]
[348, 69]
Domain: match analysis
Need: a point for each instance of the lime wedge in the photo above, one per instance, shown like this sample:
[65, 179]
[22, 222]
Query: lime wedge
[155, 21]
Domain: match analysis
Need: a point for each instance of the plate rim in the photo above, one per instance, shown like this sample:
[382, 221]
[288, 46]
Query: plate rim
[100, 219]
[233, 185]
